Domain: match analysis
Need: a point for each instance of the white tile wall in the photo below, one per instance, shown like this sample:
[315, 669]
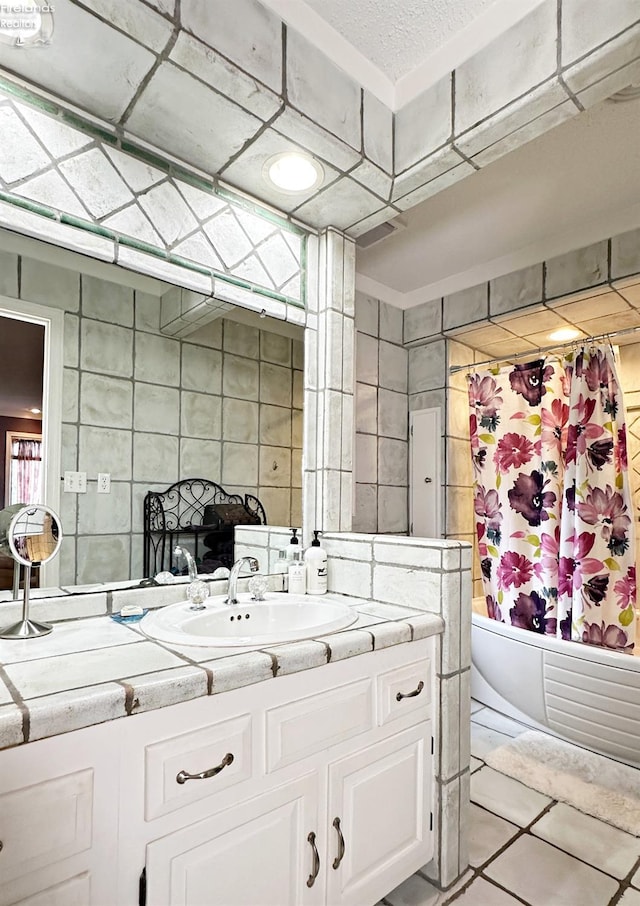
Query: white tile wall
[149, 410]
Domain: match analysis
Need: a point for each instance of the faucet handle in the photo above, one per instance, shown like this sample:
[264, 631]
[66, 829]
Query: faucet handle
[253, 564]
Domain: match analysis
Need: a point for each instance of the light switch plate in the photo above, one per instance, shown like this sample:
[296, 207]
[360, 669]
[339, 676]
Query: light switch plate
[75, 482]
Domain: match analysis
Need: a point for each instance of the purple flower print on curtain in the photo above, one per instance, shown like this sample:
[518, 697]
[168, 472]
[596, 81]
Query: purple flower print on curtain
[597, 576]
[518, 419]
[552, 498]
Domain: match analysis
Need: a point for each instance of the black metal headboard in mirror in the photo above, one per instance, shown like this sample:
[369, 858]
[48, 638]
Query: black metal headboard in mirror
[199, 510]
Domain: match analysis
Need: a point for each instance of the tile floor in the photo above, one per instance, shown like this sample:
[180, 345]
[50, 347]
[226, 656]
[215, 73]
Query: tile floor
[525, 848]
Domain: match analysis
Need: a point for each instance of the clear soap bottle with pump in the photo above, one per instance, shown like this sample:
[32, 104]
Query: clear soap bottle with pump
[297, 575]
[316, 563]
[296, 568]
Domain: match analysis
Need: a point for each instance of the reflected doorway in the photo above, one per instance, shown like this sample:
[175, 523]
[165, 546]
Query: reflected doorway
[21, 378]
[31, 339]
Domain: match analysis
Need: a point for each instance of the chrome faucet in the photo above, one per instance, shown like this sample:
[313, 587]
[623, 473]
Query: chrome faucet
[191, 563]
[253, 565]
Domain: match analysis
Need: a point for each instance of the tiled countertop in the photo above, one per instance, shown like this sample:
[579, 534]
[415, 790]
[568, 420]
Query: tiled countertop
[92, 669]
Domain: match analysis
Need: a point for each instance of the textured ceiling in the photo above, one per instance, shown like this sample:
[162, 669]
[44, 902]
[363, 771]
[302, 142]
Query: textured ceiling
[398, 35]
[572, 186]
[223, 85]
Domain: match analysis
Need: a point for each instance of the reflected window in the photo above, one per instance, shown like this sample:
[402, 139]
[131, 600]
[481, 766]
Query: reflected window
[24, 466]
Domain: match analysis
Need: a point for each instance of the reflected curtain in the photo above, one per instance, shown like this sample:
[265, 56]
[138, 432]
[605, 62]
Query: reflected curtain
[26, 465]
[552, 497]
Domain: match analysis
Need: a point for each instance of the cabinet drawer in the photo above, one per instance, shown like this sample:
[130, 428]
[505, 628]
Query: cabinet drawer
[196, 752]
[45, 823]
[312, 724]
[405, 690]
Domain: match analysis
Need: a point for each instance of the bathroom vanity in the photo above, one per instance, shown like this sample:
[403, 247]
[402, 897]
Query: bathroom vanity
[315, 788]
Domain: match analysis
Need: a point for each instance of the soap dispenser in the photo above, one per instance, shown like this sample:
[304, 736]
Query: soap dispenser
[296, 567]
[316, 563]
[297, 574]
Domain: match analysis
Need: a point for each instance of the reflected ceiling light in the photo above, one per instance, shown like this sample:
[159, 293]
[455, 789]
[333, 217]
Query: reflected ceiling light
[563, 334]
[35, 411]
[293, 171]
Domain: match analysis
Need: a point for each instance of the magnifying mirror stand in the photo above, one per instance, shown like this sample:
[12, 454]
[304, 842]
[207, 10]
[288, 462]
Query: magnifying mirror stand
[26, 628]
[16, 580]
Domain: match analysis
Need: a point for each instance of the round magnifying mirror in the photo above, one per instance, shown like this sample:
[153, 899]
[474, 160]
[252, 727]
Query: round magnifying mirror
[34, 538]
[35, 535]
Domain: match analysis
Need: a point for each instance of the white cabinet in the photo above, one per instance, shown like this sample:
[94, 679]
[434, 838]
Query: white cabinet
[380, 811]
[255, 853]
[312, 789]
[333, 806]
[58, 820]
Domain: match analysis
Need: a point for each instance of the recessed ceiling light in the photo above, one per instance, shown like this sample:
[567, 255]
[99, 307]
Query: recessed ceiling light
[292, 172]
[564, 333]
[35, 411]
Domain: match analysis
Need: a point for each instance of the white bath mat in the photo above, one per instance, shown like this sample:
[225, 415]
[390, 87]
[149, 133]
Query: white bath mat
[591, 783]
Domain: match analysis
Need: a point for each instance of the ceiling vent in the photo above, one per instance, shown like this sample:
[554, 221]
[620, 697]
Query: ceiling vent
[383, 231]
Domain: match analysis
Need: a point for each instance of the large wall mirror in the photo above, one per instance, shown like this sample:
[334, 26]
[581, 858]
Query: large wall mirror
[222, 403]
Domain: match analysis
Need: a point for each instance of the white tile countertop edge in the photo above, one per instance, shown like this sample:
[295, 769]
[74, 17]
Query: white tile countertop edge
[91, 669]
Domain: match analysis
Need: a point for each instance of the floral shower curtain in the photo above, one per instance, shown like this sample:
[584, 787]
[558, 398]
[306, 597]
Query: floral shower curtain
[554, 516]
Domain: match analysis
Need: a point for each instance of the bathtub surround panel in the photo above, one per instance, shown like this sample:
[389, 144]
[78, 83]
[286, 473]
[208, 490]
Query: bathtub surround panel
[435, 577]
[582, 693]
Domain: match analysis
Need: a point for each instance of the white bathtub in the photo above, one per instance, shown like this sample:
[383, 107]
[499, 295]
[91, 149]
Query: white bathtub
[584, 694]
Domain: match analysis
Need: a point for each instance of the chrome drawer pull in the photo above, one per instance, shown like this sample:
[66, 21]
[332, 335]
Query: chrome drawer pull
[416, 691]
[183, 776]
[315, 871]
[338, 859]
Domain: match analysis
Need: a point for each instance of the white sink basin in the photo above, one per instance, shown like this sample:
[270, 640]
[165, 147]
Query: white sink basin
[280, 618]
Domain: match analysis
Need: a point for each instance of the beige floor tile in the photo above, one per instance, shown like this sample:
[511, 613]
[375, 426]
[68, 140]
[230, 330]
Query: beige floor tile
[635, 880]
[475, 764]
[630, 897]
[485, 740]
[483, 893]
[616, 852]
[487, 834]
[494, 721]
[448, 895]
[506, 797]
[544, 876]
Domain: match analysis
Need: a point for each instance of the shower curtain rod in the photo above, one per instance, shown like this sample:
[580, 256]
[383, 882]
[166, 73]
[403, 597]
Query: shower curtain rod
[542, 349]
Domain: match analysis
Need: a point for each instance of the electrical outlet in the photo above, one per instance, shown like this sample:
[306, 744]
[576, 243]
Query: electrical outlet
[104, 483]
[75, 482]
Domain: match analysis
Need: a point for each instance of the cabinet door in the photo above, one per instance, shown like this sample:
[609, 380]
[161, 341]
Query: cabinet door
[382, 798]
[257, 852]
[59, 819]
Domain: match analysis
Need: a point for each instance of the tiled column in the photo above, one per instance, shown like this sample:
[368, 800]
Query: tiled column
[328, 402]
[382, 419]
